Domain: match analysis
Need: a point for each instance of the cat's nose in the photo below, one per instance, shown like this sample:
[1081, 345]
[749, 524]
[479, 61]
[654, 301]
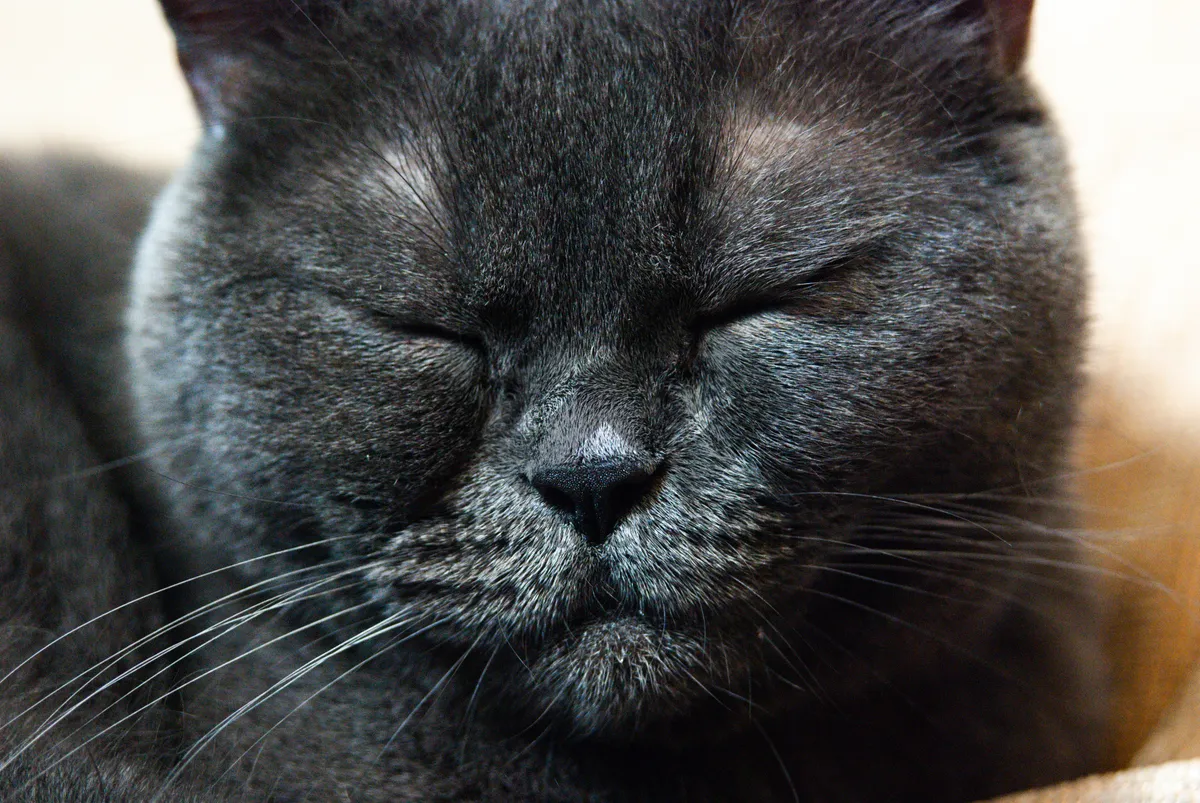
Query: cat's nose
[594, 495]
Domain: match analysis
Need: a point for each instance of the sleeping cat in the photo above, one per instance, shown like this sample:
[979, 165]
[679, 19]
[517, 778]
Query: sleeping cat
[553, 401]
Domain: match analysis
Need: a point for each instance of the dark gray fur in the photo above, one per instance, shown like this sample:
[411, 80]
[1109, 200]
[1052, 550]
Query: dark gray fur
[812, 264]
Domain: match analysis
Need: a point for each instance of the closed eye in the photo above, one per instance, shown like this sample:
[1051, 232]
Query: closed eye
[786, 296]
[398, 323]
[739, 311]
[423, 330]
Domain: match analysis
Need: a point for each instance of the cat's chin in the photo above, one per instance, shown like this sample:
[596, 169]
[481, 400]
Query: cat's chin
[619, 674]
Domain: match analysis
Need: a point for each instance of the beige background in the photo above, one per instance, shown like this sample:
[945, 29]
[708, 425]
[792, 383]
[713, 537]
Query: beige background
[1124, 79]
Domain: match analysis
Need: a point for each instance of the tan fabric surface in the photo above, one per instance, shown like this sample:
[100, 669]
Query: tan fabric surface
[1178, 735]
[1177, 782]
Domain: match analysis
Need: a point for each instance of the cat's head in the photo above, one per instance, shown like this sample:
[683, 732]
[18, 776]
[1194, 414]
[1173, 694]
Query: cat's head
[610, 344]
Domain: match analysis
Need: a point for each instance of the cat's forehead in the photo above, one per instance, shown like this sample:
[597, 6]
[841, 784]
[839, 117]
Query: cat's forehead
[769, 199]
[573, 172]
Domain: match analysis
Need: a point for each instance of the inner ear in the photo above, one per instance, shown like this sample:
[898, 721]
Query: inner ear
[218, 42]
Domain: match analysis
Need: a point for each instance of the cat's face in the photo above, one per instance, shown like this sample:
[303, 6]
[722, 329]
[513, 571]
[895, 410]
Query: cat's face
[606, 345]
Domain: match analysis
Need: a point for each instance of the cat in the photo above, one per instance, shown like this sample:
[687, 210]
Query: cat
[554, 401]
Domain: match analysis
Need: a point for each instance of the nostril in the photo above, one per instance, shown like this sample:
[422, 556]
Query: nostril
[594, 496]
[625, 496]
[555, 497]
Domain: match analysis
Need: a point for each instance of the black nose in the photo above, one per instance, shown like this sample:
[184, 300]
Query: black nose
[595, 496]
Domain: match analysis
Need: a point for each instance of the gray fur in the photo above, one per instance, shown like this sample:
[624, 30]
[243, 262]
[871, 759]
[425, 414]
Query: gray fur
[812, 264]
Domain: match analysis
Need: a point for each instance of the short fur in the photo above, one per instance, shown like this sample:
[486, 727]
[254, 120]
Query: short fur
[810, 266]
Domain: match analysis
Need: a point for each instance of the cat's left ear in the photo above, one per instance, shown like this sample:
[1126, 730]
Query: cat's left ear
[221, 43]
[1009, 24]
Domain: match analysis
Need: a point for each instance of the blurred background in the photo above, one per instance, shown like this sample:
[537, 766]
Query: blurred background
[1124, 81]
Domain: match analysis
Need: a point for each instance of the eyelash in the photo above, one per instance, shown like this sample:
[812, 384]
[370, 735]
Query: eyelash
[749, 308]
[752, 306]
[428, 331]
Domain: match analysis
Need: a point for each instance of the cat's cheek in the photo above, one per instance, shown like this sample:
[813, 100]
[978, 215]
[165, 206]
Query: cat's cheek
[800, 401]
[412, 423]
[342, 411]
[758, 390]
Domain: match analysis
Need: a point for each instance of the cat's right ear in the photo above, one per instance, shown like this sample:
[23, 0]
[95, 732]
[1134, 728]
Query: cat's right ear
[1009, 38]
[219, 40]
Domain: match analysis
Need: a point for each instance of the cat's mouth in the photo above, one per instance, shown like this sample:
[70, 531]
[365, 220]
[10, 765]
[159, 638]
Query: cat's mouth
[612, 665]
[616, 671]
[600, 642]
[602, 603]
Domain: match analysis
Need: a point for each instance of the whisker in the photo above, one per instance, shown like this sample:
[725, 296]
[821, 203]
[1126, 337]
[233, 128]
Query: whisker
[473, 699]
[974, 657]
[164, 589]
[779, 760]
[992, 591]
[709, 690]
[262, 738]
[99, 668]
[948, 572]
[896, 500]
[386, 625]
[174, 690]
[100, 468]
[1139, 578]
[436, 688]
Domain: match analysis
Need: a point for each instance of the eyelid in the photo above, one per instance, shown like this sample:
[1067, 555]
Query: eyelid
[737, 311]
[785, 298]
[426, 330]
